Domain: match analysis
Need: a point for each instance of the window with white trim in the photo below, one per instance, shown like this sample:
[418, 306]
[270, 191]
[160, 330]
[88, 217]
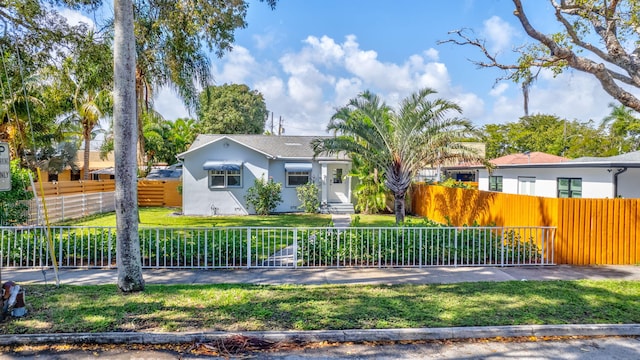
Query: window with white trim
[526, 185]
[297, 178]
[225, 178]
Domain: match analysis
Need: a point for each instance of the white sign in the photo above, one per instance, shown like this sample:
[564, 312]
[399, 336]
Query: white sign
[5, 167]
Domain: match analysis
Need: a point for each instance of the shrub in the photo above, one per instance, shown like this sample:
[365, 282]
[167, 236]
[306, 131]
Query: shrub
[308, 196]
[264, 196]
[13, 210]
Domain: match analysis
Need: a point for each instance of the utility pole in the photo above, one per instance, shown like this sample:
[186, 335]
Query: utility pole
[271, 122]
[280, 128]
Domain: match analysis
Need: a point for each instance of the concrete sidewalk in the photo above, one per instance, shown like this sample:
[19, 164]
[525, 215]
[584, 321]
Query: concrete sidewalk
[316, 276]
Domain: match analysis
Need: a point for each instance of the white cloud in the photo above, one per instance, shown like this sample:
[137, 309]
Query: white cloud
[499, 89]
[167, 103]
[307, 85]
[571, 95]
[264, 40]
[75, 18]
[498, 33]
[432, 54]
[239, 65]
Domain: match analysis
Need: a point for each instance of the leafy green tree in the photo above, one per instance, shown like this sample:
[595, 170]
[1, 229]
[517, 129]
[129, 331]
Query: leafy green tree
[173, 45]
[623, 128]
[264, 195]
[231, 109]
[20, 89]
[177, 34]
[86, 79]
[400, 142]
[545, 133]
[165, 139]
[13, 210]
[598, 37]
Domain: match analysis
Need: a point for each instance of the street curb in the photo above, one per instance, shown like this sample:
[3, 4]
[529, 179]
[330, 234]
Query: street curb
[474, 332]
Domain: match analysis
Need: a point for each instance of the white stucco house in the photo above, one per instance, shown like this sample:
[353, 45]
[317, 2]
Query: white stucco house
[548, 175]
[219, 169]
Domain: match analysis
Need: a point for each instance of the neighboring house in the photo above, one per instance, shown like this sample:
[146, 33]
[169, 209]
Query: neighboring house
[460, 171]
[548, 175]
[219, 169]
[99, 169]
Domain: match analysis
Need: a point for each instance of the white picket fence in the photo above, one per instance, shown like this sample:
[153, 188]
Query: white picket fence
[65, 207]
[251, 247]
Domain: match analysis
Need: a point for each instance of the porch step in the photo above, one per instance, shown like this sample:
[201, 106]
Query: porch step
[338, 208]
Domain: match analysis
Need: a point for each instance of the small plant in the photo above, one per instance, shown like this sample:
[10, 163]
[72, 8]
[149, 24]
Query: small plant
[308, 196]
[452, 183]
[264, 196]
[13, 209]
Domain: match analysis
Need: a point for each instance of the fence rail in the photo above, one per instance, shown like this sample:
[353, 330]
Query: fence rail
[255, 247]
[66, 207]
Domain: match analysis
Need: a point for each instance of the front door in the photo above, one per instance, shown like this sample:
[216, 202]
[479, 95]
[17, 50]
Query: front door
[338, 184]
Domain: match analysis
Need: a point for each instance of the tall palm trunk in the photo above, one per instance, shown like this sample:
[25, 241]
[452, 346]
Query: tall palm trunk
[87, 150]
[125, 129]
[398, 205]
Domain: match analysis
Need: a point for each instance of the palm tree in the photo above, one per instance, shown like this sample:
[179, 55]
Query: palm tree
[124, 119]
[624, 128]
[86, 80]
[398, 142]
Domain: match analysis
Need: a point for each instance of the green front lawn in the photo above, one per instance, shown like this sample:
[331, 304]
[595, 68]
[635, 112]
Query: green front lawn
[293, 307]
[168, 217]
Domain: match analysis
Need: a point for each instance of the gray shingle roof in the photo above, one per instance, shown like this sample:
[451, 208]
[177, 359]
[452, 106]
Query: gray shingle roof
[274, 146]
[630, 157]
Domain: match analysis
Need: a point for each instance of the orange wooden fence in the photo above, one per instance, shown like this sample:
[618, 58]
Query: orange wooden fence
[150, 192]
[75, 187]
[589, 231]
[159, 193]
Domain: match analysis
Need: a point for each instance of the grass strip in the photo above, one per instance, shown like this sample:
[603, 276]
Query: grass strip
[168, 217]
[295, 307]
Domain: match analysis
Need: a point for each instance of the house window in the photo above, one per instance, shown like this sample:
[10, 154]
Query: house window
[569, 187]
[297, 178]
[298, 173]
[337, 176]
[495, 183]
[225, 178]
[75, 175]
[52, 177]
[526, 185]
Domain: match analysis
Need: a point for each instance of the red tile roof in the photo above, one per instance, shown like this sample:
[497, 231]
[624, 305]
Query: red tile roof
[531, 158]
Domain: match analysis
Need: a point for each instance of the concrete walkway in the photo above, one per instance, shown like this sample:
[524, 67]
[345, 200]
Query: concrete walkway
[318, 276]
[285, 256]
[341, 220]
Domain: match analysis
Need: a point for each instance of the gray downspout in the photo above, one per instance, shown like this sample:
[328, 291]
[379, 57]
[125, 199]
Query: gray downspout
[615, 181]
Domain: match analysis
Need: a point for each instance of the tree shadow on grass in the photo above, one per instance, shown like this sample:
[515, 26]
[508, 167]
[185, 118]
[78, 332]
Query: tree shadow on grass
[332, 307]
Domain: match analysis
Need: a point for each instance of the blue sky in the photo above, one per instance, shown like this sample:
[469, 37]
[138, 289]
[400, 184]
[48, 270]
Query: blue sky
[308, 57]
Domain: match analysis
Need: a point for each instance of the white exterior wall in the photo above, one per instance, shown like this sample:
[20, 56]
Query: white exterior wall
[596, 182]
[290, 202]
[199, 199]
[628, 183]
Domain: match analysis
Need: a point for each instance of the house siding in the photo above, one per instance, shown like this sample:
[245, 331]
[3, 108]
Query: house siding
[199, 199]
[628, 186]
[596, 182]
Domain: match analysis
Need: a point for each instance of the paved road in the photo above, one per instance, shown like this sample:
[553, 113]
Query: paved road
[584, 349]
